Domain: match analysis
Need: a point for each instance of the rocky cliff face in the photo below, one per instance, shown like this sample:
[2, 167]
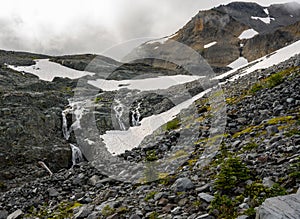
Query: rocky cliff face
[252, 15]
[213, 26]
[276, 26]
[30, 124]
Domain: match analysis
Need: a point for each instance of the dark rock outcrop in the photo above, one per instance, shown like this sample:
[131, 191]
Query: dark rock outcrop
[31, 126]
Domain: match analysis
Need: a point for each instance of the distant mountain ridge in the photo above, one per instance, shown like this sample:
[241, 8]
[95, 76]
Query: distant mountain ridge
[215, 33]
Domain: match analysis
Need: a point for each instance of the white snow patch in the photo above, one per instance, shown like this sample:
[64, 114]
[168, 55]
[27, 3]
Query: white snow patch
[118, 142]
[161, 40]
[291, 15]
[266, 20]
[239, 62]
[162, 82]
[175, 34]
[210, 44]
[47, 70]
[248, 34]
[267, 61]
[266, 11]
[90, 142]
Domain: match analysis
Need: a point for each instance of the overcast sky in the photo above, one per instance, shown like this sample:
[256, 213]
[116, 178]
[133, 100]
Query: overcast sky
[92, 26]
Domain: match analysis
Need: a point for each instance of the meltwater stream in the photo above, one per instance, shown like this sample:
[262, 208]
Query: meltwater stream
[119, 109]
[135, 115]
[77, 156]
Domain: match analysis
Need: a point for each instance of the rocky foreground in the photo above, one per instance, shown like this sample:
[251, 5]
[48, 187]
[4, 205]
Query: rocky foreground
[258, 158]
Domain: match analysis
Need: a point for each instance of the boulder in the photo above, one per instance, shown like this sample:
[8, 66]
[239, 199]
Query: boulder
[15, 214]
[283, 207]
[183, 184]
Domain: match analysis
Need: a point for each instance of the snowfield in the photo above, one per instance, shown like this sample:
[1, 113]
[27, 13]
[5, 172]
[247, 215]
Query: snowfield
[47, 70]
[266, 20]
[162, 82]
[239, 62]
[267, 61]
[248, 34]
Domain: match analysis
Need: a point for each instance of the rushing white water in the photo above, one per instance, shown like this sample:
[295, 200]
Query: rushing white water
[135, 116]
[66, 131]
[118, 109]
[76, 154]
[75, 109]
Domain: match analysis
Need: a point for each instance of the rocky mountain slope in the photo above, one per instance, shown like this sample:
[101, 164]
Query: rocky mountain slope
[216, 33]
[258, 159]
[30, 122]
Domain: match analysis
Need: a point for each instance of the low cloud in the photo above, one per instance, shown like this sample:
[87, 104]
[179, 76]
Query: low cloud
[78, 27]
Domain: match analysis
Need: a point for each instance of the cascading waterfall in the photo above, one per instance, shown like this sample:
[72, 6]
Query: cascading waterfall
[77, 156]
[118, 113]
[135, 116]
[66, 131]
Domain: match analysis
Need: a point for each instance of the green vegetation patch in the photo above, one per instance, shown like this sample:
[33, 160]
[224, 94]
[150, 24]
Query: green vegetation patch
[250, 146]
[151, 155]
[281, 119]
[98, 99]
[150, 195]
[63, 210]
[107, 211]
[172, 125]
[273, 80]
[232, 173]
[225, 206]
[259, 193]
[154, 215]
[248, 130]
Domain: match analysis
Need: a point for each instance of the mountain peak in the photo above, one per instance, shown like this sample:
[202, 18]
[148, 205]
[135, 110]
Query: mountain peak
[216, 33]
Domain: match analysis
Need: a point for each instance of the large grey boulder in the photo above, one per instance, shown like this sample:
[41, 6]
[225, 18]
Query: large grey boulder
[282, 207]
[183, 184]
